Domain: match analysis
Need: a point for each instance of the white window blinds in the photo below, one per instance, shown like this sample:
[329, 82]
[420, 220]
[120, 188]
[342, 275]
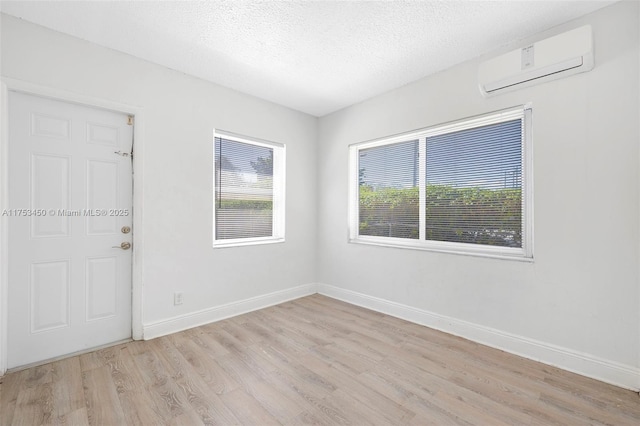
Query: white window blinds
[388, 190]
[246, 190]
[474, 185]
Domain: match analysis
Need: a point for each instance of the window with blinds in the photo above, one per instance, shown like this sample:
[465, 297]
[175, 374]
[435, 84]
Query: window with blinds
[388, 190]
[461, 187]
[248, 191]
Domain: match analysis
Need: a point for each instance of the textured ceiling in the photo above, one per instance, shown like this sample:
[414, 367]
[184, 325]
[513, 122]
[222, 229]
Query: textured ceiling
[312, 56]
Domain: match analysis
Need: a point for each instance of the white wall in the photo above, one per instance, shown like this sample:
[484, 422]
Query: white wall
[578, 302]
[180, 113]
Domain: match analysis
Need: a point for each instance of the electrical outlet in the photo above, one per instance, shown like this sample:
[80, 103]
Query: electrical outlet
[178, 298]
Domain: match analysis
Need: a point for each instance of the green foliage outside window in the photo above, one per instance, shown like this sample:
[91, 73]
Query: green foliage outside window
[464, 215]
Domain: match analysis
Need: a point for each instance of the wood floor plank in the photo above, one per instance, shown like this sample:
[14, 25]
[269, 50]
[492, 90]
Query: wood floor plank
[307, 418]
[306, 394]
[11, 386]
[142, 409]
[240, 372]
[611, 397]
[204, 340]
[262, 326]
[344, 409]
[208, 407]
[124, 372]
[247, 409]
[73, 418]
[280, 406]
[101, 357]
[34, 405]
[341, 358]
[314, 360]
[240, 333]
[204, 365]
[190, 418]
[382, 408]
[167, 396]
[103, 404]
[286, 334]
[219, 336]
[67, 387]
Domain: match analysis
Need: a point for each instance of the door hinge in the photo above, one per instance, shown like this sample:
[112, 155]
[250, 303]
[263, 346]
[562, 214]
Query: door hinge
[130, 120]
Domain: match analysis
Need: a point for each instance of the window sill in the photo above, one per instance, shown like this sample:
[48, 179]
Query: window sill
[247, 242]
[437, 248]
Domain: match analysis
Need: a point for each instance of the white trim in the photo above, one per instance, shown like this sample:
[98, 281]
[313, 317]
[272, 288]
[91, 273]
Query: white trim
[489, 252]
[494, 117]
[239, 242]
[513, 113]
[10, 84]
[607, 371]
[137, 266]
[353, 194]
[67, 96]
[218, 133]
[422, 183]
[217, 313]
[527, 182]
[279, 191]
[4, 225]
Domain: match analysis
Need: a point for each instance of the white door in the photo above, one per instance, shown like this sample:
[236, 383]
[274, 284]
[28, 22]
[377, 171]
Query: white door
[70, 211]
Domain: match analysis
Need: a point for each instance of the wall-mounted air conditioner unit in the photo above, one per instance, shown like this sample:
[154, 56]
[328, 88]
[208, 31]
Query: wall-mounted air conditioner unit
[555, 57]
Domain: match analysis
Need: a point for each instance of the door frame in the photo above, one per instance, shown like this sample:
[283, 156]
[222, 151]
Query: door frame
[8, 85]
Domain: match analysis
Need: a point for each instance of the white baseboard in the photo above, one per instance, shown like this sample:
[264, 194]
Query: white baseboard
[584, 364]
[217, 313]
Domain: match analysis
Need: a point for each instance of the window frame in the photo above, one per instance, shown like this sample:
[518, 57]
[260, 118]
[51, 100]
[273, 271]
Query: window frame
[524, 253]
[279, 182]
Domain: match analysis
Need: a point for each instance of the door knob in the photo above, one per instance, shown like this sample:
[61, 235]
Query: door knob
[123, 246]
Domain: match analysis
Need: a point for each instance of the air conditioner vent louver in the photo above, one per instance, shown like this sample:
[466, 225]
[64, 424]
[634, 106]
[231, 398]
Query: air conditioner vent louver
[556, 57]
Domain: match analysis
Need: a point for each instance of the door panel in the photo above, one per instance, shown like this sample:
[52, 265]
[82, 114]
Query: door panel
[49, 295]
[49, 186]
[102, 194]
[70, 194]
[101, 287]
[50, 127]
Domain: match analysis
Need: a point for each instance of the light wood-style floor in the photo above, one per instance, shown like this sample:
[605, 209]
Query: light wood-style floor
[310, 361]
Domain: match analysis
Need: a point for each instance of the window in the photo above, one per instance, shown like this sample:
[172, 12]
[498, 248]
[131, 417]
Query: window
[248, 191]
[388, 190]
[461, 187]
